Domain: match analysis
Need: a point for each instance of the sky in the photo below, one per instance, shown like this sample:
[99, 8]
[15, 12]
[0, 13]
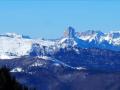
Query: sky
[49, 18]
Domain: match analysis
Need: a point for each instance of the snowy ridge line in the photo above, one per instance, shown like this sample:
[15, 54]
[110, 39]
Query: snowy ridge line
[60, 62]
[14, 45]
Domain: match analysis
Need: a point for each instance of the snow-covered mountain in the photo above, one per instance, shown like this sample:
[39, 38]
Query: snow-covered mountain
[94, 39]
[112, 38]
[14, 45]
[49, 64]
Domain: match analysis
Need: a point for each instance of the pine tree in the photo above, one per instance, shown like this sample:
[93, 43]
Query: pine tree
[7, 82]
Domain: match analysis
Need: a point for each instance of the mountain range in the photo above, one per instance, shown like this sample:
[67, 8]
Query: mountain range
[74, 61]
[15, 45]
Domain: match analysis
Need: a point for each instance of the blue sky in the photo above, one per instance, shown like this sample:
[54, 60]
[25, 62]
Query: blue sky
[49, 19]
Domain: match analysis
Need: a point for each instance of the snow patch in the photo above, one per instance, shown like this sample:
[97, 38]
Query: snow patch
[18, 69]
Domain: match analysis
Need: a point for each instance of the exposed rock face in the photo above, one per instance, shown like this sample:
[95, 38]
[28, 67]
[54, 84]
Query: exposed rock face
[70, 32]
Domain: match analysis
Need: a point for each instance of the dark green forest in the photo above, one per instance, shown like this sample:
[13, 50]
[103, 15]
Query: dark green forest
[8, 82]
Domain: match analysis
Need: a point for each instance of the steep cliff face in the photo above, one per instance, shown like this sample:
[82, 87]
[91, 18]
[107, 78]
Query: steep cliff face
[70, 32]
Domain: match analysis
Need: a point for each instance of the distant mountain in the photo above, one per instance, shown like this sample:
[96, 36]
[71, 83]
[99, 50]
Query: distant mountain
[90, 49]
[75, 61]
[14, 45]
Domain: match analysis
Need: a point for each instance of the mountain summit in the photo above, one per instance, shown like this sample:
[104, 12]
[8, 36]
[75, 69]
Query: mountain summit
[70, 32]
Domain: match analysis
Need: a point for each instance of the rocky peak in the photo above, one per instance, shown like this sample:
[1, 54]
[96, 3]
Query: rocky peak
[70, 32]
